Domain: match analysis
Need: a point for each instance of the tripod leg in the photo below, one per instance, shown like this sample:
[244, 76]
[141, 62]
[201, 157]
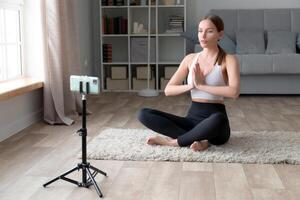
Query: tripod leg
[98, 170]
[71, 181]
[63, 177]
[94, 182]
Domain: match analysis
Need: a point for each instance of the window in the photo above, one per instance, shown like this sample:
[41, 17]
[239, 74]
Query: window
[10, 41]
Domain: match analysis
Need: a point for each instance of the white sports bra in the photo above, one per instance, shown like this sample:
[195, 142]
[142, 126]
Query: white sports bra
[213, 78]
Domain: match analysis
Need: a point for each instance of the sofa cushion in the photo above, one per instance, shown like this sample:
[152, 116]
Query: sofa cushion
[277, 19]
[240, 61]
[229, 17]
[250, 42]
[298, 41]
[250, 19]
[226, 43]
[286, 63]
[197, 48]
[281, 42]
[295, 22]
[256, 64]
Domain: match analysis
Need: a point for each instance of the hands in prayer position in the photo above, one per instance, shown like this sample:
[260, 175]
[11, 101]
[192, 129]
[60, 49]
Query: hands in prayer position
[198, 77]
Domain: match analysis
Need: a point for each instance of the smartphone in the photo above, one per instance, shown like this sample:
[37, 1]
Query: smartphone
[93, 83]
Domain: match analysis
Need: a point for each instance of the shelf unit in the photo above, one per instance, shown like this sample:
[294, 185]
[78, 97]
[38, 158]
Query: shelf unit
[117, 29]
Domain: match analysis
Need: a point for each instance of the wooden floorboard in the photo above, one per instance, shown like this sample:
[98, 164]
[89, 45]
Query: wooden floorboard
[42, 152]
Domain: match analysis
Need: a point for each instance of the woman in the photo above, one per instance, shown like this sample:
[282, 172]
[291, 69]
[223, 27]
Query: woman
[211, 75]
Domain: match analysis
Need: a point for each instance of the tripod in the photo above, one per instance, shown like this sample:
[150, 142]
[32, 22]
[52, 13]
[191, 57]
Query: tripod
[84, 165]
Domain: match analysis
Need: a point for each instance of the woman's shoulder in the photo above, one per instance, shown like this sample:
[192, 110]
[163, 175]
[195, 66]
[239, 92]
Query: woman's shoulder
[230, 58]
[231, 61]
[188, 60]
[190, 57]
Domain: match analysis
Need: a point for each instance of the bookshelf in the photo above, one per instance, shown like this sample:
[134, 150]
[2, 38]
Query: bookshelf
[125, 36]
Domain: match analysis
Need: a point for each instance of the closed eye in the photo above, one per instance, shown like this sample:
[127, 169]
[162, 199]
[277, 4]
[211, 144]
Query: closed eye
[209, 30]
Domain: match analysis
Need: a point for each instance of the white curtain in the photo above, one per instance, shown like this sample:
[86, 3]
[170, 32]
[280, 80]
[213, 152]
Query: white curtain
[62, 59]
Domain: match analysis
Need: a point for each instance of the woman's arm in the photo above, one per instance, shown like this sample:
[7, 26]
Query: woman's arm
[174, 86]
[233, 88]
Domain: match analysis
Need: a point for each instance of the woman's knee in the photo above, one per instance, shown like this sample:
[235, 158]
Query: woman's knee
[219, 118]
[223, 129]
[144, 114]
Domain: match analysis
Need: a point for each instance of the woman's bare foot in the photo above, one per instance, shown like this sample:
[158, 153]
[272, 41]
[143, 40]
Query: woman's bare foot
[162, 141]
[199, 145]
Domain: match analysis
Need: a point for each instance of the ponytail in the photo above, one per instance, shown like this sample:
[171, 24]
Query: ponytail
[221, 56]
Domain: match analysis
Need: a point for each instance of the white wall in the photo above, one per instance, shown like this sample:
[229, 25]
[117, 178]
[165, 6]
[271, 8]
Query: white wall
[33, 40]
[20, 112]
[96, 36]
[83, 16]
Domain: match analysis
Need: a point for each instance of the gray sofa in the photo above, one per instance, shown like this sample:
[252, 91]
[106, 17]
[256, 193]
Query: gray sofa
[266, 46]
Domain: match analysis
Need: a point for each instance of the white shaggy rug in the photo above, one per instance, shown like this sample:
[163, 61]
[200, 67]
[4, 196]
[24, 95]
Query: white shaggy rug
[243, 147]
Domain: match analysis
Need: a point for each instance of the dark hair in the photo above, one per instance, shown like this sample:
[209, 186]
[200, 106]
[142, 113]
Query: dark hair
[218, 22]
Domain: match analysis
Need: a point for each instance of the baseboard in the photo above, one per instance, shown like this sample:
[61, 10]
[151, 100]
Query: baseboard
[20, 124]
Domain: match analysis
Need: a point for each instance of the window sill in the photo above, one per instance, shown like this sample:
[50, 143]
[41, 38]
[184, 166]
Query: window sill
[12, 88]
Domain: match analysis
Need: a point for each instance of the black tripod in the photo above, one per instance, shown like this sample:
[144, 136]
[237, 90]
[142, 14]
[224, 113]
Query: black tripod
[84, 165]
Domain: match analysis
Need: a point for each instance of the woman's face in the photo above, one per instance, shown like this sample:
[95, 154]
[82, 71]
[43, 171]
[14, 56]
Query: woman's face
[208, 34]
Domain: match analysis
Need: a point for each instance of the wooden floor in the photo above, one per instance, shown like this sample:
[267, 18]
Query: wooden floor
[41, 152]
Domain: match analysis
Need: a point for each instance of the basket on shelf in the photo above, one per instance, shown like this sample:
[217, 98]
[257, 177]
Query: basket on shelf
[169, 2]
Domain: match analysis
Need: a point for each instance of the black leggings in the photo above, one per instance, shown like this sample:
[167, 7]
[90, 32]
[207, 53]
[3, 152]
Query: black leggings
[204, 121]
